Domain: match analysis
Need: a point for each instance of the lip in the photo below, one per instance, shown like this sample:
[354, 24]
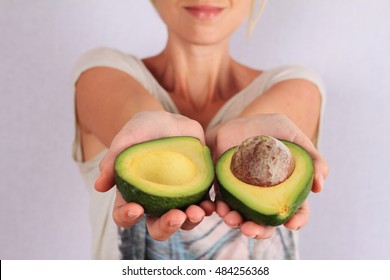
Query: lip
[204, 12]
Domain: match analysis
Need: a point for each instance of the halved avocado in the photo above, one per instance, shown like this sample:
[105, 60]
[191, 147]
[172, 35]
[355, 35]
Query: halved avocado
[164, 174]
[267, 205]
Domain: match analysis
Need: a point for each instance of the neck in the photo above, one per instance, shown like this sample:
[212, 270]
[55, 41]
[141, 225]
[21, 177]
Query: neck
[198, 74]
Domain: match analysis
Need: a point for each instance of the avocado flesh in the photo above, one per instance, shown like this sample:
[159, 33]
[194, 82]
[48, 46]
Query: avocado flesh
[267, 205]
[164, 174]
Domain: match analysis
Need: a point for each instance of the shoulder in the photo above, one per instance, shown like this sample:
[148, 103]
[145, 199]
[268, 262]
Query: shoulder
[288, 73]
[106, 57]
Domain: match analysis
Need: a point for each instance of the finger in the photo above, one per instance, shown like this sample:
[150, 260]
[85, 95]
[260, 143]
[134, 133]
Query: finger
[321, 167]
[188, 127]
[253, 230]
[195, 215]
[126, 214]
[122, 140]
[221, 208]
[321, 170]
[106, 180]
[161, 228]
[233, 219]
[207, 205]
[300, 218]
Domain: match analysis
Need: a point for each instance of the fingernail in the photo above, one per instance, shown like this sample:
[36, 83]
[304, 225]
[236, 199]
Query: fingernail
[132, 214]
[100, 182]
[175, 224]
[195, 221]
[97, 181]
[321, 181]
[236, 226]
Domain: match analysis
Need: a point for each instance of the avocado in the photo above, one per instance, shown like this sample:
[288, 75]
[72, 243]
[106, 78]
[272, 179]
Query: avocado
[164, 174]
[267, 203]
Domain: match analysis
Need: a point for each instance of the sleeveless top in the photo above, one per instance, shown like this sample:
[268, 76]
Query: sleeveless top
[211, 239]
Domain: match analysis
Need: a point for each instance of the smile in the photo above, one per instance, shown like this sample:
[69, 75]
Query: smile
[204, 12]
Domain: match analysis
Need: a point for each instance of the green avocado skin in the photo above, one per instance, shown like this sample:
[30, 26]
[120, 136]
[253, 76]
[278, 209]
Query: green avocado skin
[156, 205]
[260, 218]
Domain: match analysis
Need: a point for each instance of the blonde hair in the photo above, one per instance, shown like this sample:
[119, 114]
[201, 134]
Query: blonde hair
[254, 16]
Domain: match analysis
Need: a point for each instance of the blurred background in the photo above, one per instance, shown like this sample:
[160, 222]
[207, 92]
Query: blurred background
[43, 200]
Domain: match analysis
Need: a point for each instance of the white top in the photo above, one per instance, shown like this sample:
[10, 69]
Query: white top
[106, 235]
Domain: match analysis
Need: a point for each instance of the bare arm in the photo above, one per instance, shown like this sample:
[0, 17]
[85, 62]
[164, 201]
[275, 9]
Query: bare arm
[106, 99]
[297, 99]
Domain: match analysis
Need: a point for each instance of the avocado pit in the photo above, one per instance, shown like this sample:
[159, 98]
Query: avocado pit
[262, 161]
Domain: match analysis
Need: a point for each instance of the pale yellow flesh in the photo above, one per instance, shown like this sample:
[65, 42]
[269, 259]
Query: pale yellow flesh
[157, 166]
[269, 200]
[177, 168]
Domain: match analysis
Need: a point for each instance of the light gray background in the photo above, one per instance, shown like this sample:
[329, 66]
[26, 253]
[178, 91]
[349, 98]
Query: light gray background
[43, 201]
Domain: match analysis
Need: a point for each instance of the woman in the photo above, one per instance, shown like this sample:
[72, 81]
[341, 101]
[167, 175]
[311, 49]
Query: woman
[195, 88]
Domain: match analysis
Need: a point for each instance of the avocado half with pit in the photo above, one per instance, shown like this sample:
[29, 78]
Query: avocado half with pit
[165, 174]
[266, 204]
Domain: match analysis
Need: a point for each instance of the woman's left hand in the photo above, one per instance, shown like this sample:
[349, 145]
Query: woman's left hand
[279, 126]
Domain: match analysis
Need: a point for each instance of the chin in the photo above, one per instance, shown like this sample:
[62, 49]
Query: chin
[205, 37]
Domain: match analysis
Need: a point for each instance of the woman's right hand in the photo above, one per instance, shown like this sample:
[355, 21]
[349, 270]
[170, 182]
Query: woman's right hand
[145, 126]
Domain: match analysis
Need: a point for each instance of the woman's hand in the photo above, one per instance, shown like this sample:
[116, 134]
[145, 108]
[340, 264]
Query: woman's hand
[145, 126]
[279, 126]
